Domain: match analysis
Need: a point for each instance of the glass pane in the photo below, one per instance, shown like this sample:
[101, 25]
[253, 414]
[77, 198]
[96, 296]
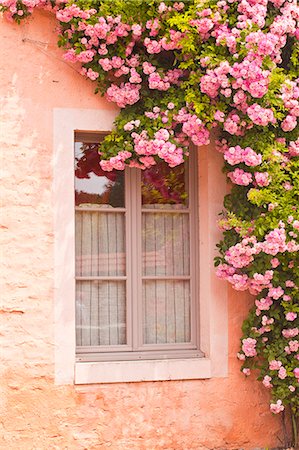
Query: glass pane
[93, 186]
[162, 186]
[100, 243]
[165, 244]
[166, 311]
[100, 313]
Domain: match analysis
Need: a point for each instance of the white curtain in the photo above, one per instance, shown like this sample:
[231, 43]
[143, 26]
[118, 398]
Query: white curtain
[101, 304]
[165, 252]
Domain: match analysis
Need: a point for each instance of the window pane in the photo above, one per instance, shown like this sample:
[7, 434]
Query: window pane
[93, 186]
[100, 313]
[100, 243]
[165, 244]
[161, 185]
[166, 311]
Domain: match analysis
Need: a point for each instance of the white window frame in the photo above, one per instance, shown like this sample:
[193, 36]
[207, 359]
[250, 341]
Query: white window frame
[213, 292]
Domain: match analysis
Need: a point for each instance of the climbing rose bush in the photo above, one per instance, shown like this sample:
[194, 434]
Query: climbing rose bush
[177, 70]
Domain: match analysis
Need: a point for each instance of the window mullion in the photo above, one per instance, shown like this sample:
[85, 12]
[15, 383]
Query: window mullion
[136, 263]
[193, 224]
[129, 258]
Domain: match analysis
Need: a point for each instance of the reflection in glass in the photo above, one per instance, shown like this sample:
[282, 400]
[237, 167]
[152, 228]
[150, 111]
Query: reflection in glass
[162, 185]
[93, 186]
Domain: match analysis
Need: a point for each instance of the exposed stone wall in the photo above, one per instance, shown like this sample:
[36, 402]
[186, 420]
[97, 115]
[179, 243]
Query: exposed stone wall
[228, 413]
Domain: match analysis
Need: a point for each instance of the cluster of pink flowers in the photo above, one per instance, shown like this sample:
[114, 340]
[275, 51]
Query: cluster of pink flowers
[267, 381]
[192, 127]
[249, 76]
[92, 75]
[293, 346]
[123, 95]
[262, 178]
[275, 242]
[241, 254]
[258, 283]
[163, 83]
[239, 176]
[234, 125]
[289, 123]
[160, 146]
[106, 32]
[290, 316]
[266, 43]
[13, 6]
[260, 116]
[215, 79]
[237, 155]
[73, 11]
[242, 84]
[116, 162]
[277, 407]
[156, 46]
[248, 347]
[129, 126]
[290, 96]
[290, 333]
[168, 143]
[263, 305]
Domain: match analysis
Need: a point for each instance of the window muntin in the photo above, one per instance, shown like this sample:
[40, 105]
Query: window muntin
[136, 292]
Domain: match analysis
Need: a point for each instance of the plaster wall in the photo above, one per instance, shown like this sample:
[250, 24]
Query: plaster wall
[220, 413]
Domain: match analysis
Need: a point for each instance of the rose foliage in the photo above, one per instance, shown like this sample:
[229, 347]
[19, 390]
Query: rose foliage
[176, 70]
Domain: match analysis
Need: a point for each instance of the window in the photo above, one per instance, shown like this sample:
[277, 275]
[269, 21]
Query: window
[211, 314]
[136, 259]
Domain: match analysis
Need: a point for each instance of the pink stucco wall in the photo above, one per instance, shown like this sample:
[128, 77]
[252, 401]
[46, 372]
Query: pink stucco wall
[222, 413]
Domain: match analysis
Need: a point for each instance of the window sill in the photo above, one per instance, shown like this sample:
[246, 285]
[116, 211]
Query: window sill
[136, 371]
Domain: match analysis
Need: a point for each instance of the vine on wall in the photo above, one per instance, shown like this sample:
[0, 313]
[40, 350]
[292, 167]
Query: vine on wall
[177, 70]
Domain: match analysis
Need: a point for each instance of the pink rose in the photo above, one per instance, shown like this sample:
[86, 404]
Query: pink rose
[290, 316]
[277, 407]
[248, 347]
[282, 373]
[289, 123]
[266, 381]
[275, 365]
[238, 176]
[262, 178]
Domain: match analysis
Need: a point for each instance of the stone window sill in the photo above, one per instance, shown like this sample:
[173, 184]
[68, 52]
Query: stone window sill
[136, 371]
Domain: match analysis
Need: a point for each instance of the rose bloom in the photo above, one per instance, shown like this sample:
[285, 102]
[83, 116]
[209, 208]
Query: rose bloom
[291, 316]
[277, 407]
[275, 365]
[248, 347]
[282, 373]
[266, 381]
